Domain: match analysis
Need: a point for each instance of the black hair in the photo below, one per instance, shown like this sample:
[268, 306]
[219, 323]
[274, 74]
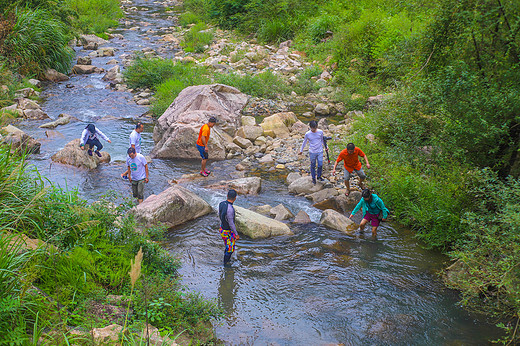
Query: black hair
[351, 146]
[91, 128]
[313, 124]
[366, 193]
[212, 120]
[232, 194]
[130, 151]
[138, 125]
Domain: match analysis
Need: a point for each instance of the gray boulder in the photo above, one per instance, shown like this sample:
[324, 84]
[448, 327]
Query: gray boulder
[73, 155]
[337, 221]
[242, 142]
[258, 226]
[302, 218]
[340, 202]
[262, 209]
[84, 60]
[280, 212]
[19, 140]
[172, 207]
[178, 128]
[55, 76]
[244, 186]
[292, 177]
[83, 69]
[322, 195]
[250, 132]
[304, 185]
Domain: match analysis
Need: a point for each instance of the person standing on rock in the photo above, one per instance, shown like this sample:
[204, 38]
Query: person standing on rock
[316, 144]
[135, 142]
[351, 163]
[202, 144]
[227, 229]
[137, 173]
[374, 210]
[89, 137]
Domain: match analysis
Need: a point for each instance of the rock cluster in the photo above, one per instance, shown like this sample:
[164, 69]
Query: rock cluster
[73, 155]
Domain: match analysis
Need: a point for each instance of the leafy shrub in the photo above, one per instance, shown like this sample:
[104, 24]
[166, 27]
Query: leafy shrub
[148, 73]
[35, 42]
[264, 84]
[276, 30]
[197, 38]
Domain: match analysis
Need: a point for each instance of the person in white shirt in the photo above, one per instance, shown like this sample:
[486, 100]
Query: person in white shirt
[135, 142]
[89, 137]
[137, 173]
[316, 143]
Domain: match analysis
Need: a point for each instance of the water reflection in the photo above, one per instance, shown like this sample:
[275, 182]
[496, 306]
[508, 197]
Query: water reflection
[227, 290]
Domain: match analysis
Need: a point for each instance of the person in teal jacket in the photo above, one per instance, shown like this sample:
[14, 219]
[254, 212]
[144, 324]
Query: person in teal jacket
[372, 205]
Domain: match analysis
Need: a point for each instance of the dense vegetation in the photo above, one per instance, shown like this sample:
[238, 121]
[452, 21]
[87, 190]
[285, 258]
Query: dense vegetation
[68, 281]
[446, 155]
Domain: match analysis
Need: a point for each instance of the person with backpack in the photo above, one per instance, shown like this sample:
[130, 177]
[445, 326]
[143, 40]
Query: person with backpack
[374, 210]
[89, 137]
[228, 230]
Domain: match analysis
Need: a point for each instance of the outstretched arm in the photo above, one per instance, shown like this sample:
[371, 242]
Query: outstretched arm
[366, 160]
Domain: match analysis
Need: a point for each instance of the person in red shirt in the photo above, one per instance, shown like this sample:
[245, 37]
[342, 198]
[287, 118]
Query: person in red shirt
[202, 144]
[350, 158]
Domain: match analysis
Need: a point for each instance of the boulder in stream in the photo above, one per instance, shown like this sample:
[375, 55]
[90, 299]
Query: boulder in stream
[178, 128]
[19, 140]
[172, 207]
[73, 155]
[340, 203]
[304, 185]
[258, 226]
[55, 76]
[337, 221]
[280, 212]
[302, 218]
[62, 120]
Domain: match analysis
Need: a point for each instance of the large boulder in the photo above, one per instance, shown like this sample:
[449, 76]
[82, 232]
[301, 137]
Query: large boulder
[340, 202]
[302, 218]
[257, 226]
[19, 140]
[73, 155]
[62, 120]
[83, 69]
[304, 185]
[292, 177]
[244, 186]
[178, 128]
[322, 195]
[277, 125]
[35, 114]
[172, 207]
[337, 221]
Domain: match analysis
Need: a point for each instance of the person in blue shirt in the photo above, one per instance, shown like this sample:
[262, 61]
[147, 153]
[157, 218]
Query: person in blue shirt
[372, 206]
[316, 144]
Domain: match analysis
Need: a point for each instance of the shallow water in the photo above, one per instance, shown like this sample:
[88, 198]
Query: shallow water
[316, 287]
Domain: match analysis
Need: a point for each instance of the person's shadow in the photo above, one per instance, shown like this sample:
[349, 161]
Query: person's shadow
[227, 291]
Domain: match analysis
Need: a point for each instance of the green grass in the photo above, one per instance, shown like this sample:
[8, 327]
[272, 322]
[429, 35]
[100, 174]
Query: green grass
[88, 258]
[95, 16]
[197, 38]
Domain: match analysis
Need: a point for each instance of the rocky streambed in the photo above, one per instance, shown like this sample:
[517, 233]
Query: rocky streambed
[298, 277]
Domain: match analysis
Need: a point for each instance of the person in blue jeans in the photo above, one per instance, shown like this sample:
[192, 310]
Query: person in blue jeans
[316, 143]
[372, 206]
[89, 138]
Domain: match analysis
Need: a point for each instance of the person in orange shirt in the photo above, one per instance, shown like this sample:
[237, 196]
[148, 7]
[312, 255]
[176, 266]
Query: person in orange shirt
[202, 144]
[350, 158]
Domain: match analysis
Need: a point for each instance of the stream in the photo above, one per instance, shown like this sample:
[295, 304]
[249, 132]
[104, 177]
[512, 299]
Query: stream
[316, 287]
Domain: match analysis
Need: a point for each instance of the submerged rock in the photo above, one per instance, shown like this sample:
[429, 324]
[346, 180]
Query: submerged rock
[73, 155]
[172, 207]
[257, 226]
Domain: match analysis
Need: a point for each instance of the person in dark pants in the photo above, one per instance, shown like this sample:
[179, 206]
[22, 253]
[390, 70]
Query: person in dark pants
[202, 144]
[227, 229]
[89, 137]
[137, 173]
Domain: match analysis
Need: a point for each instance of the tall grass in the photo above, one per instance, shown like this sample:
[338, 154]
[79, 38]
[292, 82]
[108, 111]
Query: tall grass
[36, 42]
[197, 38]
[95, 16]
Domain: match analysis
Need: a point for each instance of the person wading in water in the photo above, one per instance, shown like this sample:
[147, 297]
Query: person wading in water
[135, 142]
[374, 210]
[227, 229]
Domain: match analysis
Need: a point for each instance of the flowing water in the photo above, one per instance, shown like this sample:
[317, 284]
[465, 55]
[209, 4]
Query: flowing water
[316, 287]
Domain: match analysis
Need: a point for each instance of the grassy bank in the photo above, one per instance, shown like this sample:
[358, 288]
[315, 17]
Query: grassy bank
[79, 279]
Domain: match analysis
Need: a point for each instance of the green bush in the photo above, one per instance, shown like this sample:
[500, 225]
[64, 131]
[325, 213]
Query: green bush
[197, 38]
[148, 73]
[36, 42]
[264, 84]
[189, 18]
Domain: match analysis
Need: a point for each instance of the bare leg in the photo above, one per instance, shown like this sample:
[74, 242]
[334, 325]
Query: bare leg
[374, 232]
[361, 183]
[362, 224]
[347, 184]
[203, 165]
